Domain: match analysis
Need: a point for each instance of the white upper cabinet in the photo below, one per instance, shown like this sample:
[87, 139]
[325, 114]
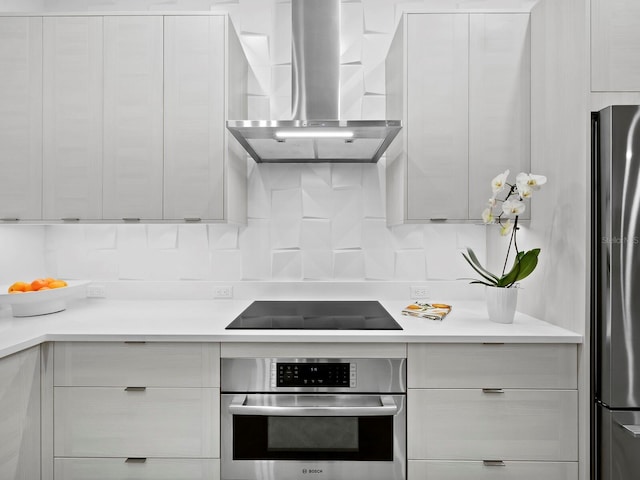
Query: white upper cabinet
[437, 114]
[615, 45]
[461, 84]
[72, 118]
[194, 117]
[21, 118]
[499, 102]
[133, 117]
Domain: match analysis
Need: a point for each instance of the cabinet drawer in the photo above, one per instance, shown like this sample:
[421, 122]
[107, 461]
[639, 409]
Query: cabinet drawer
[150, 468]
[492, 366]
[155, 422]
[121, 364]
[504, 425]
[475, 470]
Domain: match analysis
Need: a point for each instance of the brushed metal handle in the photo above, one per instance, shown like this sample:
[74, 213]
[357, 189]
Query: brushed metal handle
[438, 219]
[135, 460]
[10, 219]
[70, 219]
[192, 219]
[131, 219]
[493, 463]
[492, 343]
[492, 390]
[134, 342]
[135, 389]
[284, 406]
[633, 430]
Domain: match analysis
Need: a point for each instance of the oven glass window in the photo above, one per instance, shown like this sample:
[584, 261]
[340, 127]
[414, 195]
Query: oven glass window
[367, 438]
[320, 434]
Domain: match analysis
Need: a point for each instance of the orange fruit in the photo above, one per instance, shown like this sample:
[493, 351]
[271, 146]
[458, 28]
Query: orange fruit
[57, 284]
[39, 283]
[43, 288]
[15, 291]
[18, 287]
[28, 288]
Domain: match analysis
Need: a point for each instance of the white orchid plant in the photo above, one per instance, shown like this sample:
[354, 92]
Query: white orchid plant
[511, 205]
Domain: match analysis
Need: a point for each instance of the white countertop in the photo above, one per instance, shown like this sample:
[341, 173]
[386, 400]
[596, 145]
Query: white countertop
[205, 321]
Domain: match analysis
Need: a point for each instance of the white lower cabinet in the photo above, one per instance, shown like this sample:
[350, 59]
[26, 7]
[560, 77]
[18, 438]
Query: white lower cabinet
[135, 468]
[116, 416]
[477, 470]
[20, 415]
[512, 413]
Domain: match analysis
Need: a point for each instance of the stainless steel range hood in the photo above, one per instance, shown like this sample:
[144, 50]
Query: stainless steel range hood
[315, 134]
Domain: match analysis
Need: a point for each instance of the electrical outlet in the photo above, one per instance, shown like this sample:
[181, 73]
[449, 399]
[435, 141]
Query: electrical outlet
[95, 290]
[223, 292]
[419, 293]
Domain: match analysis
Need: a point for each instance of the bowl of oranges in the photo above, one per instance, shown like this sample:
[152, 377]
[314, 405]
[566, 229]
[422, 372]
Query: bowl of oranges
[40, 296]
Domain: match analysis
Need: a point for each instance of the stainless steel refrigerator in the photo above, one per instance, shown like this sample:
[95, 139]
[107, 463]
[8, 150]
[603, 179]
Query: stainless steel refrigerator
[615, 284]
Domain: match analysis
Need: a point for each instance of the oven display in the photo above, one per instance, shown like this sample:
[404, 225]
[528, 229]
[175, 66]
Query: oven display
[313, 375]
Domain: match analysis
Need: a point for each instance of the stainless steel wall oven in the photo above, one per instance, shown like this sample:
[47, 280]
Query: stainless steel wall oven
[302, 418]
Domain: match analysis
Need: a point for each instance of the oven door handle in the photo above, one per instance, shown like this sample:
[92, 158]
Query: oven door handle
[273, 406]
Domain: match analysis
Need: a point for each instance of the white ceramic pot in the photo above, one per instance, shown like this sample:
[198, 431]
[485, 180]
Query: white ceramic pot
[501, 304]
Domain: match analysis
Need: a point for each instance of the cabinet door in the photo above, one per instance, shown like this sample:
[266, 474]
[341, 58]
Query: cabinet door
[133, 63]
[20, 415]
[153, 364]
[152, 422]
[21, 118]
[615, 45]
[437, 126]
[194, 117]
[72, 118]
[463, 424]
[499, 102]
[470, 470]
[140, 469]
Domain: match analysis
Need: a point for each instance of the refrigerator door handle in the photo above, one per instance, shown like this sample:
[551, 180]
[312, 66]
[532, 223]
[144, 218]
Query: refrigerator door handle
[633, 430]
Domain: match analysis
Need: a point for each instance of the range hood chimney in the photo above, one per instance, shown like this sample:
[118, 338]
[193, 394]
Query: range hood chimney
[315, 134]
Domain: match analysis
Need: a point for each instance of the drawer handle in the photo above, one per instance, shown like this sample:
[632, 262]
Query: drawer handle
[135, 460]
[70, 219]
[134, 342]
[10, 219]
[493, 463]
[492, 390]
[192, 219]
[130, 219]
[135, 389]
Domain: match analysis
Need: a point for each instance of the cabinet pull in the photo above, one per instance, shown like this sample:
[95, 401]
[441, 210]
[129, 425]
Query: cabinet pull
[492, 343]
[493, 463]
[135, 389]
[130, 219]
[492, 390]
[70, 219]
[438, 219]
[192, 219]
[135, 460]
[10, 219]
[134, 342]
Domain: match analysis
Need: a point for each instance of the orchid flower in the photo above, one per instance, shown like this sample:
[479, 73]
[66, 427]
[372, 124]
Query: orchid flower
[487, 216]
[505, 228]
[498, 183]
[513, 207]
[531, 180]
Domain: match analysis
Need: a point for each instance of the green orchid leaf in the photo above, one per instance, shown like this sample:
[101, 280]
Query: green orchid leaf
[523, 265]
[477, 263]
[491, 279]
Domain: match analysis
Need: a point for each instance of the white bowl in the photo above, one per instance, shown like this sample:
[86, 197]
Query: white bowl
[43, 302]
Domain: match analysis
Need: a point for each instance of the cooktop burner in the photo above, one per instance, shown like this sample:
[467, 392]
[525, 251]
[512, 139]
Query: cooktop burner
[315, 315]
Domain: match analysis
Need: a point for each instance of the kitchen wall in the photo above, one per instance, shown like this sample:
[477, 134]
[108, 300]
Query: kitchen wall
[322, 222]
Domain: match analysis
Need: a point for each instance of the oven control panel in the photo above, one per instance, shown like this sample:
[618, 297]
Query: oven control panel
[298, 374]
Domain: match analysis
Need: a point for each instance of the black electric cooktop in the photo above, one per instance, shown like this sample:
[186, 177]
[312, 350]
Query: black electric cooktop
[315, 315]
